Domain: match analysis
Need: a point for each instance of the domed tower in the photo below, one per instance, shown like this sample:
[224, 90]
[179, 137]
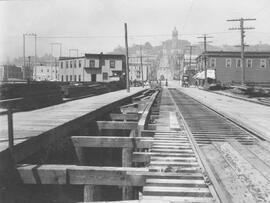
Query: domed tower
[174, 39]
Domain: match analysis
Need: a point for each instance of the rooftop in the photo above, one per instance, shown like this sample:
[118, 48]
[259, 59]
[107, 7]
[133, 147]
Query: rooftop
[251, 54]
[101, 55]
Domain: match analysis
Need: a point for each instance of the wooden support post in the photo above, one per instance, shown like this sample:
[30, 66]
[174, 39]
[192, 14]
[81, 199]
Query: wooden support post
[89, 190]
[10, 131]
[88, 193]
[127, 191]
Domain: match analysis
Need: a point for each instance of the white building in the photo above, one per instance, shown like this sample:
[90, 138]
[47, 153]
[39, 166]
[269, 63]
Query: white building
[92, 68]
[46, 72]
[138, 70]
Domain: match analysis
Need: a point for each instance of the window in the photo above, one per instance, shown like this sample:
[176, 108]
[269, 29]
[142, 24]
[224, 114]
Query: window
[263, 63]
[213, 63]
[228, 63]
[62, 78]
[70, 77]
[92, 63]
[42, 70]
[105, 76]
[75, 78]
[75, 63]
[70, 64]
[80, 63]
[66, 64]
[249, 63]
[79, 78]
[238, 63]
[112, 64]
[138, 74]
[61, 64]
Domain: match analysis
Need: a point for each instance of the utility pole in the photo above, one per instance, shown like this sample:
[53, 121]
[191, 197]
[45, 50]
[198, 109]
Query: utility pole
[141, 62]
[60, 54]
[35, 60]
[190, 53]
[35, 37]
[205, 42]
[127, 63]
[23, 56]
[242, 32]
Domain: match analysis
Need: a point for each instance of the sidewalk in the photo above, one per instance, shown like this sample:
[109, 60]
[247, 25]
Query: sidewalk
[254, 116]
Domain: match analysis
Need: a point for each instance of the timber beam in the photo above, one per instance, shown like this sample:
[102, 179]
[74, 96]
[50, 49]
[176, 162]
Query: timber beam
[142, 124]
[81, 175]
[124, 117]
[141, 157]
[117, 125]
[112, 142]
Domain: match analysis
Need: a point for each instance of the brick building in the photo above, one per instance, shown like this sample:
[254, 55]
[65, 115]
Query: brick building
[92, 68]
[228, 66]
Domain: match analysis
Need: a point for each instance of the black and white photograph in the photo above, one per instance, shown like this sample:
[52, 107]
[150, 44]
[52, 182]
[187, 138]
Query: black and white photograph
[134, 101]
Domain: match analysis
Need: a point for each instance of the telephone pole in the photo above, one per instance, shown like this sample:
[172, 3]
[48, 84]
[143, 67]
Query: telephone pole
[205, 55]
[141, 62]
[190, 53]
[242, 32]
[35, 49]
[127, 64]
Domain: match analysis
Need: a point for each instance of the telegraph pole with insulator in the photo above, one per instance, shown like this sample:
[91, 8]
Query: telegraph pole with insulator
[242, 33]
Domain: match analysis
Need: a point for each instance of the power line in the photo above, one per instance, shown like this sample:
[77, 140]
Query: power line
[205, 42]
[242, 32]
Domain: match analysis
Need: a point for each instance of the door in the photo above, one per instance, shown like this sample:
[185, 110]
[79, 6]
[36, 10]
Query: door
[93, 77]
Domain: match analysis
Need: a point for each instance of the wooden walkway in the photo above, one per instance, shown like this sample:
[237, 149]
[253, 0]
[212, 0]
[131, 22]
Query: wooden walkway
[42, 124]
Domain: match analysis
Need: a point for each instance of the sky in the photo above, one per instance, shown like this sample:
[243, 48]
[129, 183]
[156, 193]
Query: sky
[95, 26]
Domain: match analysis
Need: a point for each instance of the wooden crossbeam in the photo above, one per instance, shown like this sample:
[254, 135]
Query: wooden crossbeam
[148, 133]
[141, 157]
[117, 125]
[146, 113]
[124, 117]
[111, 142]
[81, 175]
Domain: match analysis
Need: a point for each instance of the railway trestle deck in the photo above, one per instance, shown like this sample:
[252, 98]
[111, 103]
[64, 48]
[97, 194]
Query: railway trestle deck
[172, 149]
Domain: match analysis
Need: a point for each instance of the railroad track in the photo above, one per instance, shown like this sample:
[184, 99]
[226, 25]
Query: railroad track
[206, 125]
[176, 170]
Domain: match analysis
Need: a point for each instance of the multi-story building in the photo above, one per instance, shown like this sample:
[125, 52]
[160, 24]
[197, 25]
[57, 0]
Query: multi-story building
[46, 72]
[228, 66]
[92, 68]
[141, 67]
[10, 72]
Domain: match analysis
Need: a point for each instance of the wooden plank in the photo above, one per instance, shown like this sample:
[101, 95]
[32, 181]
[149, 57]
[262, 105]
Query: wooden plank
[251, 158]
[146, 113]
[117, 125]
[127, 192]
[171, 199]
[257, 184]
[89, 109]
[81, 175]
[111, 142]
[124, 117]
[105, 177]
[229, 182]
[141, 157]
[147, 133]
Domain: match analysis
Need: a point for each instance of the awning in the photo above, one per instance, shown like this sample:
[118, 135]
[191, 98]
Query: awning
[210, 74]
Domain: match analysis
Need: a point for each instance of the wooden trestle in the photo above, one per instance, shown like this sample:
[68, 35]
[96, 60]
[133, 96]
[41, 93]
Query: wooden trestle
[171, 170]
